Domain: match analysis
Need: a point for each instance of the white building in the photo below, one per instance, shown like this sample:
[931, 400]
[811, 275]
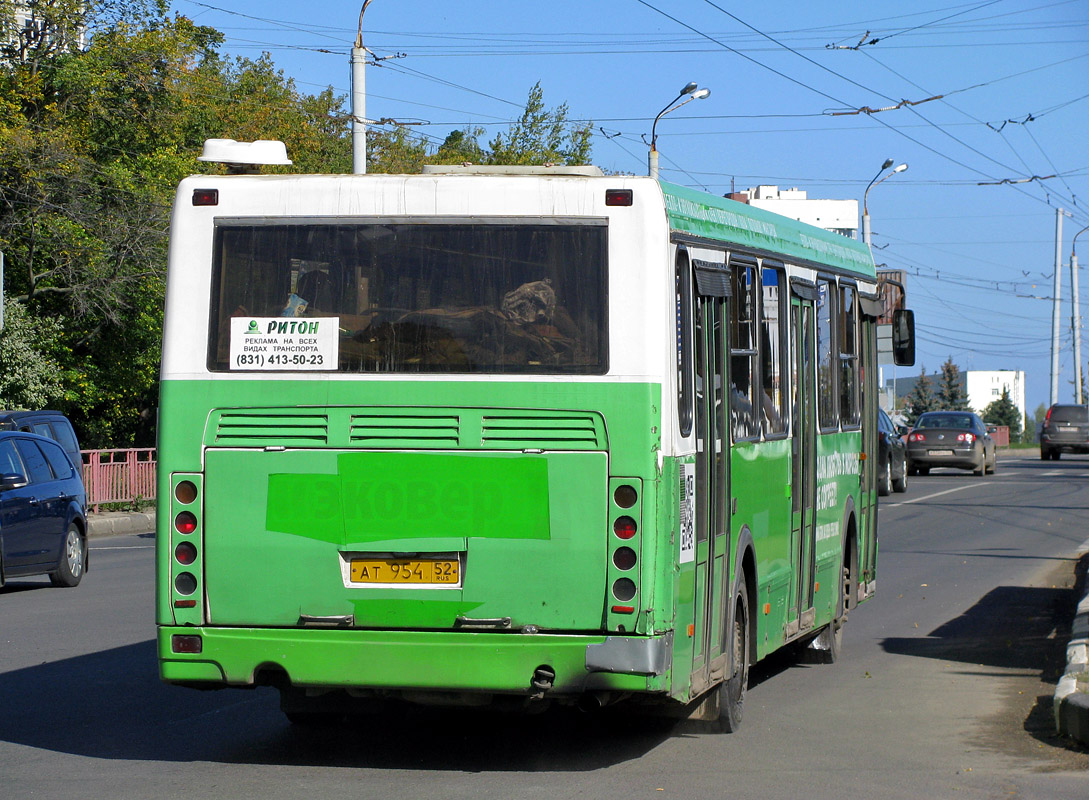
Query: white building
[839, 216]
[983, 387]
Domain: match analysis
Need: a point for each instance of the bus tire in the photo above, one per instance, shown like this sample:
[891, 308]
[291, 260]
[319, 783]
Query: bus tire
[73, 559]
[732, 690]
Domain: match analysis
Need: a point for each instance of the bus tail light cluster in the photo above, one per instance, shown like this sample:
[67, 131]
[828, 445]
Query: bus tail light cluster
[625, 514]
[186, 544]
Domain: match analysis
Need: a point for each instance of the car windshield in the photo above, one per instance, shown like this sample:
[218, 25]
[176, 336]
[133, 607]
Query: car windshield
[945, 421]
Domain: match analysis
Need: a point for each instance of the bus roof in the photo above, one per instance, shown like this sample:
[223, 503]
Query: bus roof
[708, 216]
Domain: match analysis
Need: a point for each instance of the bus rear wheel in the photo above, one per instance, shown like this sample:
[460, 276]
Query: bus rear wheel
[732, 691]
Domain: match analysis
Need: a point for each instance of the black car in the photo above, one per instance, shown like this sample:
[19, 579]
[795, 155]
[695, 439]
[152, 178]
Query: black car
[892, 470]
[52, 424]
[950, 439]
[1065, 430]
[43, 525]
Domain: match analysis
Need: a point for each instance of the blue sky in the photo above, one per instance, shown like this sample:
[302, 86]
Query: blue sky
[993, 101]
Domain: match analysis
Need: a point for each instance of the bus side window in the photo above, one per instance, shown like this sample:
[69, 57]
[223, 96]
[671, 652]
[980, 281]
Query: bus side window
[827, 369]
[683, 296]
[848, 355]
[744, 420]
[771, 351]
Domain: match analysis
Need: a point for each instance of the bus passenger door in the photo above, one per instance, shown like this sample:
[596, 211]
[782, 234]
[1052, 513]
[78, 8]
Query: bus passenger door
[868, 545]
[712, 492]
[800, 614]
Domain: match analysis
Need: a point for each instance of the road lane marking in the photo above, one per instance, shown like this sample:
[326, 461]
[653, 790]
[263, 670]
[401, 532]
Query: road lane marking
[936, 494]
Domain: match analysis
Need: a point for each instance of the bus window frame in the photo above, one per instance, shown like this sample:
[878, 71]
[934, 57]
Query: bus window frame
[784, 348]
[853, 423]
[682, 292]
[737, 262]
[823, 425]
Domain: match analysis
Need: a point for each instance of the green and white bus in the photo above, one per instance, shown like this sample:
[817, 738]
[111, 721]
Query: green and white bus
[510, 435]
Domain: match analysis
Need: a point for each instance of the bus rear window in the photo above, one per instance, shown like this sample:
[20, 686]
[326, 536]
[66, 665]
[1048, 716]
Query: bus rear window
[410, 298]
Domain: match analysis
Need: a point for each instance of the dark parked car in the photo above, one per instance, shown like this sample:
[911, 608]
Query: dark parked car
[892, 469]
[43, 525]
[1065, 430]
[45, 423]
[950, 439]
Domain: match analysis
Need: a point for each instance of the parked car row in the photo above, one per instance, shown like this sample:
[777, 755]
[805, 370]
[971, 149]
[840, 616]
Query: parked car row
[43, 518]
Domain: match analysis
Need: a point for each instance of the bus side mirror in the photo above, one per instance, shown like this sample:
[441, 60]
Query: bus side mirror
[903, 337]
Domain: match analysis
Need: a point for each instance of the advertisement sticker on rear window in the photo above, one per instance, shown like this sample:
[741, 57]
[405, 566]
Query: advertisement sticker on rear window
[279, 343]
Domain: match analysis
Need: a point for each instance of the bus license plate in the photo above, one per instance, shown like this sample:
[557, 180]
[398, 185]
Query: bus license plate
[414, 571]
[941, 452]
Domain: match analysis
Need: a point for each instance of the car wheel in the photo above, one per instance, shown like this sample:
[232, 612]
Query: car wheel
[982, 468]
[884, 480]
[1055, 455]
[73, 559]
[732, 690]
[901, 484]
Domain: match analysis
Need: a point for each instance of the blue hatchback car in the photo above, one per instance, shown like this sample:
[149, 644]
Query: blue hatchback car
[43, 522]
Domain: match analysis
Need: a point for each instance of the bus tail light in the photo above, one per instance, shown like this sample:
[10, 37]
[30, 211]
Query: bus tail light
[618, 197]
[625, 511]
[185, 571]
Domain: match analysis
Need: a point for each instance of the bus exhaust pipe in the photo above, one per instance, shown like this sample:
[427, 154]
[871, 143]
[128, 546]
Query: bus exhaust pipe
[594, 701]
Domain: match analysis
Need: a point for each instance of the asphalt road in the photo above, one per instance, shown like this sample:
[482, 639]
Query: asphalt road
[944, 689]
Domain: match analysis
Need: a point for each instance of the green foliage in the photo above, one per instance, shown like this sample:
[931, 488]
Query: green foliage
[1003, 412]
[951, 397]
[540, 136]
[921, 399]
[30, 376]
[92, 144]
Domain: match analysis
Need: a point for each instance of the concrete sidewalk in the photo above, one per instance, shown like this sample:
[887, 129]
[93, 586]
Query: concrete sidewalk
[112, 523]
[1072, 694]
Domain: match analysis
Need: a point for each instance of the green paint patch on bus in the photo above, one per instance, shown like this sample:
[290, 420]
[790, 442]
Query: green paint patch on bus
[376, 496]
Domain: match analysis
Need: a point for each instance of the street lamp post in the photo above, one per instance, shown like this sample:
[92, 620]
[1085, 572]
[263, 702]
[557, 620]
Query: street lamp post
[690, 92]
[1076, 315]
[359, 100]
[865, 195]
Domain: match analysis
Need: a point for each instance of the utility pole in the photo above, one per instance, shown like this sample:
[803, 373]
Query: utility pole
[1057, 296]
[1075, 321]
[359, 100]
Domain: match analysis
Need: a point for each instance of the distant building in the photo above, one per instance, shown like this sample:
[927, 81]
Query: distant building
[838, 216]
[26, 28]
[981, 386]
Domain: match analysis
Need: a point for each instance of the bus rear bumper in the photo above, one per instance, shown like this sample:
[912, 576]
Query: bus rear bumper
[406, 660]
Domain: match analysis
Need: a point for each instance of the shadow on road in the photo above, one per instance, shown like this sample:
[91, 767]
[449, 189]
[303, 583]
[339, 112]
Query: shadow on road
[1016, 629]
[112, 705]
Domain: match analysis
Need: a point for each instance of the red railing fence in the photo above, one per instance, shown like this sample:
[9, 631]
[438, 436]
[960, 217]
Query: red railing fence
[119, 476]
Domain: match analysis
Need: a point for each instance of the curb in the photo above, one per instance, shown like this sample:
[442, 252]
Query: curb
[1072, 705]
[113, 523]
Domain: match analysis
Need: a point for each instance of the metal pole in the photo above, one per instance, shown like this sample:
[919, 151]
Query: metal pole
[866, 230]
[1057, 292]
[359, 108]
[359, 99]
[652, 162]
[1075, 315]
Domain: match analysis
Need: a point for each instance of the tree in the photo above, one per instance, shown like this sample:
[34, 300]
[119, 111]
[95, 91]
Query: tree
[92, 144]
[539, 136]
[921, 399]
[951, 397]
[30, 376]
[1003, 412]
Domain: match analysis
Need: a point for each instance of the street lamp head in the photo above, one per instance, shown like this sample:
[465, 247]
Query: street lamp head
[900, 168]
[699, 94]
[688, 88]
[888, 163]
